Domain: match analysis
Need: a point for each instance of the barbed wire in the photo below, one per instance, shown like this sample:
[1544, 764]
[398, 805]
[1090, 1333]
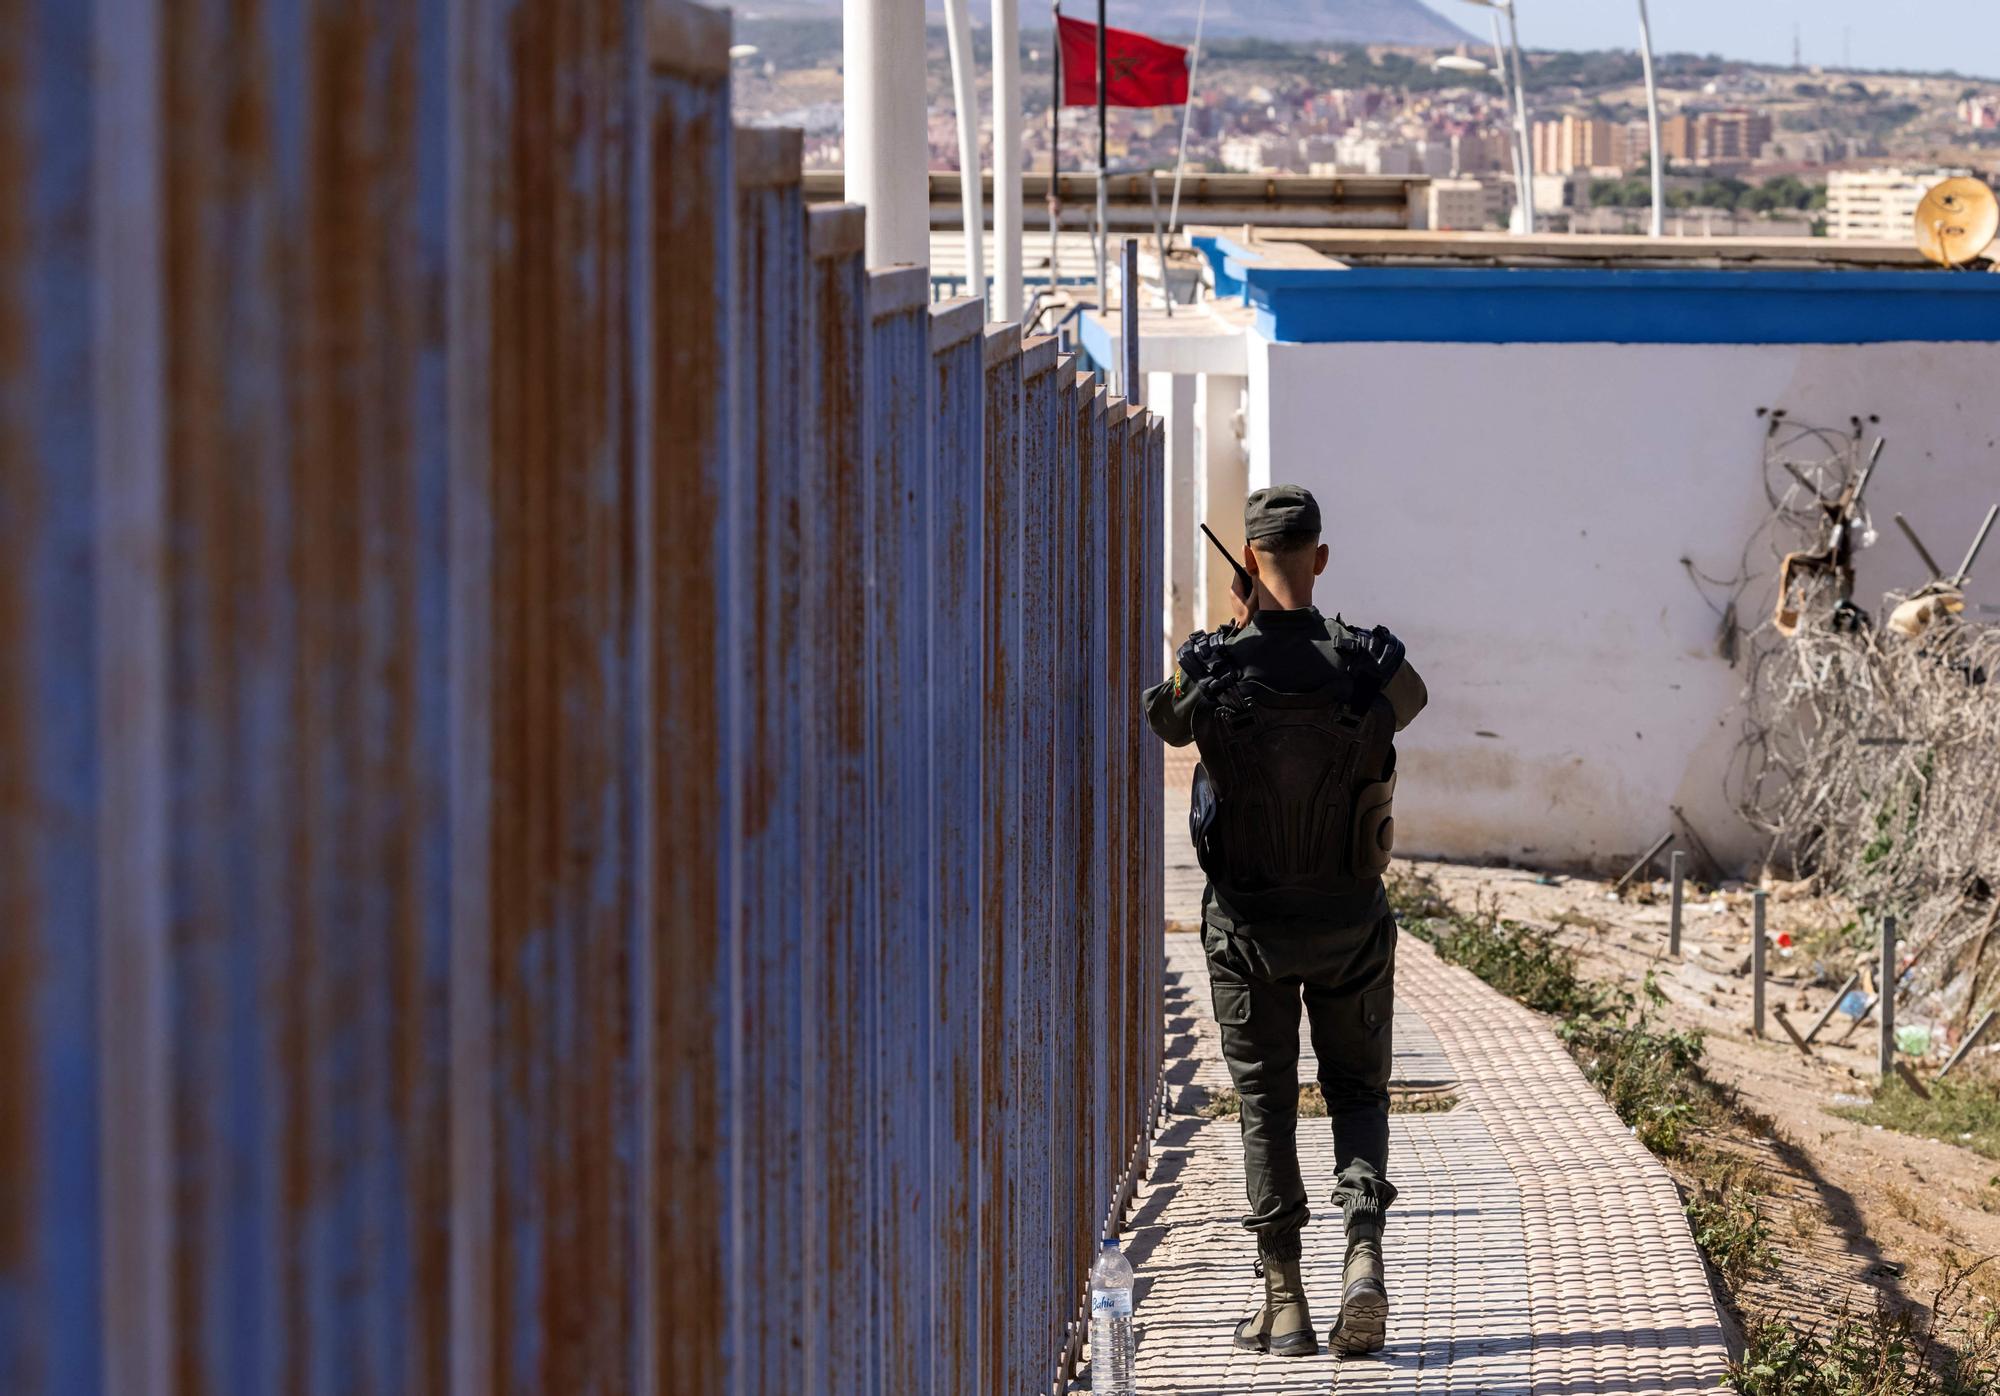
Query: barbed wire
[1872, 757]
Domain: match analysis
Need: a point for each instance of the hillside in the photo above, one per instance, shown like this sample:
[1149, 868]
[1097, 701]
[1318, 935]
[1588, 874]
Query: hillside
[1297, 21]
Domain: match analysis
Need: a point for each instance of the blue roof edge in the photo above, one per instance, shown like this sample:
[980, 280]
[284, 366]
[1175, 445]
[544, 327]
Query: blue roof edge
[1488, 305]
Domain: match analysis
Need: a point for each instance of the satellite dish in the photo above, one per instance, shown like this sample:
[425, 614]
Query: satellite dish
[1957, 221]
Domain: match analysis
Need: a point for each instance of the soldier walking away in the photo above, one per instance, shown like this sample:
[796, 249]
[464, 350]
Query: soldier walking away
[1295, 717]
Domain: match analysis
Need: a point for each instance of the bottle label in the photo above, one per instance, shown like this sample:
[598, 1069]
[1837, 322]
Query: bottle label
[1111, 1303]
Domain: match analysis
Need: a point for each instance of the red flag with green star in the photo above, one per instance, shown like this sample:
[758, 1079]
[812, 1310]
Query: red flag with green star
[1140, 72]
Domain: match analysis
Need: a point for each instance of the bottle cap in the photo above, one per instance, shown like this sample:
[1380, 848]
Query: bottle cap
[1109, 1243]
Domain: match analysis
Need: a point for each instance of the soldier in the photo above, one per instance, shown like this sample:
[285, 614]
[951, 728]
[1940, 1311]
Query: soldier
[1295, 717]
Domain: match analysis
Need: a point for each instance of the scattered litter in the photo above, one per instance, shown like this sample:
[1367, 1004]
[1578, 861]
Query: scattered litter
[1856, 1004]
[1914, 1040]
[1844, 1098]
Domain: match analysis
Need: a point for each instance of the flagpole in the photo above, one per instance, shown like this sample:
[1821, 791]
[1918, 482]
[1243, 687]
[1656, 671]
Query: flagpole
[1055, 143]
[1103, 157]
[1187, 116]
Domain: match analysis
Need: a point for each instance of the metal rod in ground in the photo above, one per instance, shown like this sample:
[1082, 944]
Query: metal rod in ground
[1645, 860]
[1678, 862]
[1839, 998]
[1886, 1058]
[1860, 1018]
[1785, 1022]
[1757, 899]
[1971, 1041]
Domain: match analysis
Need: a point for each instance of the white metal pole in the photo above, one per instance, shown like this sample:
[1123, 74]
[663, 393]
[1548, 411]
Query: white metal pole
[1521, 118]
[886, 146]
[1008, 292]
[965, 96]
[1653, 122]
[1507, 95]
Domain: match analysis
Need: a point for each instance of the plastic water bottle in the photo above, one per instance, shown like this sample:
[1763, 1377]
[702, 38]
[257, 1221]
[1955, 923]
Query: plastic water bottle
[1111, 1353]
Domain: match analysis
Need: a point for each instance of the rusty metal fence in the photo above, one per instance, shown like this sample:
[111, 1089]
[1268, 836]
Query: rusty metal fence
[572, 817]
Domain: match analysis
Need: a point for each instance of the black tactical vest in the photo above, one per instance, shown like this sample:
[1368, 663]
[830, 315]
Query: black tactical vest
[1291, 815]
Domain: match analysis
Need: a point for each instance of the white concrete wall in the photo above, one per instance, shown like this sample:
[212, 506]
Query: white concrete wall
[1518, 514]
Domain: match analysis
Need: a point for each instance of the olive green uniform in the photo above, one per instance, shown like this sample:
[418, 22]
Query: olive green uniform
[1337, 958]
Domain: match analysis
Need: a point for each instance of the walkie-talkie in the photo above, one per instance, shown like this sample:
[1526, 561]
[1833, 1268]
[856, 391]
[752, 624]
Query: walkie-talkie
[1249, 588]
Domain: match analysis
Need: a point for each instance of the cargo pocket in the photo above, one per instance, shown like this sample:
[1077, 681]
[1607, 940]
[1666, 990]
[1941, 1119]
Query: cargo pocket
[1374, 828]
[1232, 1003]
[1378, 1008]
[1376, 1063]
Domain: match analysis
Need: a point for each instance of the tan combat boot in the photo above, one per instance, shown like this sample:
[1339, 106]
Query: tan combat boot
[1283, 1326]
[1364, 1299]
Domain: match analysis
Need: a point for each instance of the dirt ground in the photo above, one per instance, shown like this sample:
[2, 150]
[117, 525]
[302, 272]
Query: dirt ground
[1856, 1211]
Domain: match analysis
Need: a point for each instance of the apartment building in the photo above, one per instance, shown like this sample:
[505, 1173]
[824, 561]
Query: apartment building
[1716, 137]
[1880, 203]
[1573, 143]
[1733, 135]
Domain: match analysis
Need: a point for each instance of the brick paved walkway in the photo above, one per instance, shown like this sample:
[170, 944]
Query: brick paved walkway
[1536, 1247]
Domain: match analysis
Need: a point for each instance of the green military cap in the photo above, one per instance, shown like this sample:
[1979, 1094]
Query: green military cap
[1280, 510]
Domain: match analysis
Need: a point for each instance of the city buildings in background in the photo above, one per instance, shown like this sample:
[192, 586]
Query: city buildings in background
[1749, 150]
[1879, 203]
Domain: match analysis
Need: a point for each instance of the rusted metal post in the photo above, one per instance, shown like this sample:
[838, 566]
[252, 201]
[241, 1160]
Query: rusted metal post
[1041, 1228]
[1886, 1005]
[1757, 952]
[835, 1234]
[957, 548]
[898, 360]
[765, 544]
[1004, 892]
[1677, 861]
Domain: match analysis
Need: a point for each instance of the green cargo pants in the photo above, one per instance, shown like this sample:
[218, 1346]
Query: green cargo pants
[1346, 980]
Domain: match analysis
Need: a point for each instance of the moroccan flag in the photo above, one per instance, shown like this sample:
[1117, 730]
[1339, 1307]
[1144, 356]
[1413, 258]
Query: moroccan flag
[1140, 72]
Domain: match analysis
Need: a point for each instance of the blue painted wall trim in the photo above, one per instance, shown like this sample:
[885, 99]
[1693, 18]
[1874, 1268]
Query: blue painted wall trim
[1095, 341]
[1482, 305]
[1220, 254]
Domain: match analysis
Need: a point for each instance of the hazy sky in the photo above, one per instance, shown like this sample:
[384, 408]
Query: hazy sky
[1959, 34]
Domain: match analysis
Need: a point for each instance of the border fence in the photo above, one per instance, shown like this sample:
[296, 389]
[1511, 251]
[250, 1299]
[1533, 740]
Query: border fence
[572, 814]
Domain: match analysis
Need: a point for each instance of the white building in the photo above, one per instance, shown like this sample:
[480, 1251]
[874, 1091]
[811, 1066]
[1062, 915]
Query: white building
[1878, 204]
[1256, 154]
[1513, 462]
[1374, 154]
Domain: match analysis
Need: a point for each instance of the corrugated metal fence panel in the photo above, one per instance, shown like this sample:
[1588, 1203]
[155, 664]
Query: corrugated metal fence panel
[899, 602]
[1117, 772]
[770, 233]
[1069, 1034]
[686, 746]
[306, 478]
[839, 966]
[1152, 779]
[1136, 607]
[956, 701]
[588, 862]
[1033, 1332]
[52, 785]
[999, 1105]
[567, 908]
[1094, 855]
